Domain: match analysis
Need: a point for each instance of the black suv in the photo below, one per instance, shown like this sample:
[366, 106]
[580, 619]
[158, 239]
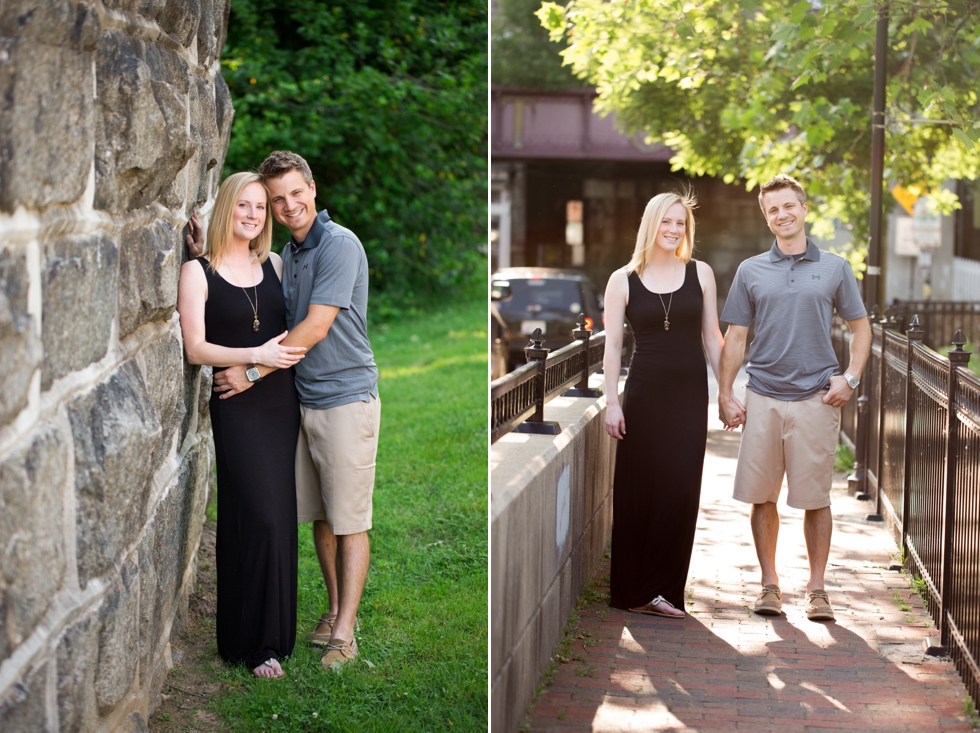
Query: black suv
[546, 298]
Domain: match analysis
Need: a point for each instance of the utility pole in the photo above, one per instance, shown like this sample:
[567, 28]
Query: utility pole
[873, 272]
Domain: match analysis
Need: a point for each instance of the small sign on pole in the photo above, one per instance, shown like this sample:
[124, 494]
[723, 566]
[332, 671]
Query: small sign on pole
[904, 242]
[926, 226]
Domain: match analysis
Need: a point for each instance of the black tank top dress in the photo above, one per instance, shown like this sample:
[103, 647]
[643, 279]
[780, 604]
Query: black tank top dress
[255, 435]
[657, 486]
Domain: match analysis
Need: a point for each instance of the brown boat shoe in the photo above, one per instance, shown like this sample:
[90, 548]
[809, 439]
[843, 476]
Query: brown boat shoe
[770, 601]
[339, 653]
[323, 631]
[818, 606]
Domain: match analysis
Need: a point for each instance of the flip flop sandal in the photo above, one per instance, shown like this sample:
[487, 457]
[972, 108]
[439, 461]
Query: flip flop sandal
[650, 609]
[268, 663]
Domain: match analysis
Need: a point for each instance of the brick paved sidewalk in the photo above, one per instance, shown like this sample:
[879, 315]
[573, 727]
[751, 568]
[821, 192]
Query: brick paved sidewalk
[725, 669]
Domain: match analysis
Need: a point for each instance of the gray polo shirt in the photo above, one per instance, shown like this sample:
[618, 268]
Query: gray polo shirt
[792, 303]
[330, 268]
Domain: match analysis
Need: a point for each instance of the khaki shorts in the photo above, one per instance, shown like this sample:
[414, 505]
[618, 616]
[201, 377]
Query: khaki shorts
[795, 438]
[335, 459]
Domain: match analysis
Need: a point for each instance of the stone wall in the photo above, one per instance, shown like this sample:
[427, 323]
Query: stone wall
[114, 126]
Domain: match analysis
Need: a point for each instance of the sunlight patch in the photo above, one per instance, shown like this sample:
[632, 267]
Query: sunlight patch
[615, 717]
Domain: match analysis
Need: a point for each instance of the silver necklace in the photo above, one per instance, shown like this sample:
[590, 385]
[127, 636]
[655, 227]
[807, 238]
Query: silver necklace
[255, 307]
[667, 307]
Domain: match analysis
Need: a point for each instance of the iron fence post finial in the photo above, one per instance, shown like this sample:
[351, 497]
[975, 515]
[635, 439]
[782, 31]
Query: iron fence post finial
[537, 354]
[915, 330]
[581, 389]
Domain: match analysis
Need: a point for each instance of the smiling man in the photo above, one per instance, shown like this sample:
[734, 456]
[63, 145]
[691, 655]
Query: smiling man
[792, 405]
[325, 284]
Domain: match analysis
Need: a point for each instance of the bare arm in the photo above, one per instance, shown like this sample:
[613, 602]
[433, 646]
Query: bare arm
[192, 294]
[306, 334]
[617, 292]
[710, 331]
[840, 392]
[730, 410]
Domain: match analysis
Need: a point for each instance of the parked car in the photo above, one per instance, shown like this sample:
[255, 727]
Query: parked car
[499, 343]
[528, 298]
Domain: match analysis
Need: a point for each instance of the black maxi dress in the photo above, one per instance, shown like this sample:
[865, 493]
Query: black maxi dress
[255, 435]
[657, 487]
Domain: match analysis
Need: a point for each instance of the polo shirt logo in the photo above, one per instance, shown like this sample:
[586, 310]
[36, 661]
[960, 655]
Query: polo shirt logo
[815, 277]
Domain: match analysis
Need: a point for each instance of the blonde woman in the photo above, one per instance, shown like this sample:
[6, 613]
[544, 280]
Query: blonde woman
[232, 312]
[670, 301]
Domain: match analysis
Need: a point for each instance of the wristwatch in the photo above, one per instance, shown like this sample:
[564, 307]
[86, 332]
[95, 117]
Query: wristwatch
[852, 381]
[252, 373]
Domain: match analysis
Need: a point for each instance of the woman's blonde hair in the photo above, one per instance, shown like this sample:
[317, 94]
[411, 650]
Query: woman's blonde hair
[653, 215]
[220, 227]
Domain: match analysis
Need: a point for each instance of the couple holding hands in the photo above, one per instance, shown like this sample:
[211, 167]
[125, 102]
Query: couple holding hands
[790, 416]
[294, 409]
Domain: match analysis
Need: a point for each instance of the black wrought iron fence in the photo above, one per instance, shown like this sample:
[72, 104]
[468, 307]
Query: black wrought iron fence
[923, 472]
[517, 399]
[940, 320]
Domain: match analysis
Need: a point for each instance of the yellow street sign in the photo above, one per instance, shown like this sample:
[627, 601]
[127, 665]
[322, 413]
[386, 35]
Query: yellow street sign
[905, 197]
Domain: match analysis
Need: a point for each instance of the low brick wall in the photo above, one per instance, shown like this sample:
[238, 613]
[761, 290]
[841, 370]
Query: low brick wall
[551, 521]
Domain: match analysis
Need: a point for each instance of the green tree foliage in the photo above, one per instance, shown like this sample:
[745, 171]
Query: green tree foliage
[387, 102]
[522, 55]
[749, 88]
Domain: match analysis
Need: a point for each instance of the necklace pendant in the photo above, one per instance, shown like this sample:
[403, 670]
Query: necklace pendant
[666, 325]
[255, 324]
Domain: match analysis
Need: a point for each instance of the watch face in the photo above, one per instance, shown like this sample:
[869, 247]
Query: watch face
[252, 374]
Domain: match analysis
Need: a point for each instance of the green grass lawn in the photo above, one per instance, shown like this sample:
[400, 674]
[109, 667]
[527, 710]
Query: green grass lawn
[423, 617]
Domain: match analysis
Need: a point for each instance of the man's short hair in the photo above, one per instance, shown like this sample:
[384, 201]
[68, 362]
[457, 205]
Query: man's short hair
[777, 183]
[280, 162]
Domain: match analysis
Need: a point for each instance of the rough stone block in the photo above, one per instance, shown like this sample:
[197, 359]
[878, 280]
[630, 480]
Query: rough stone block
[195, 481]
[133, 723]
[46, 130]
[170, 67]
[20, 347]
[224, 112]
[164, 360]
[149, 268]
[189, 396]
[149, 633]
[141, 132]
[32, 563]
[149, 9]
[77, 655]
[208, 29]
[118, 638]
[115, 429]
[207, 137]
[178, 522]
[157, 676]
[204, 400]
[22, 708]
[78, 303]
[55, 22]
[180, 19]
